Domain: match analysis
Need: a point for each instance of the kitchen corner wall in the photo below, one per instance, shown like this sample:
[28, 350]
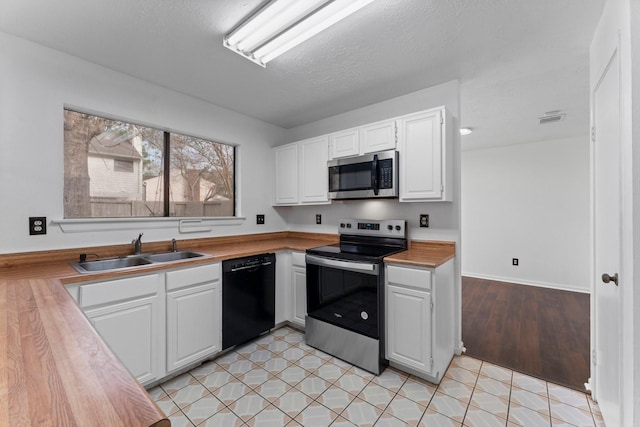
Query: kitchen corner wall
[36, 83]
[531, 202]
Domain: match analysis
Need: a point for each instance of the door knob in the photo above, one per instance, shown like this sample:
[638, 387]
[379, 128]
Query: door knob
[606, 278]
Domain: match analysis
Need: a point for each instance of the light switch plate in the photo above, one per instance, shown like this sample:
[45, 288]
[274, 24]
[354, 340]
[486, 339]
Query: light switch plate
[424, 220]
[260, 219]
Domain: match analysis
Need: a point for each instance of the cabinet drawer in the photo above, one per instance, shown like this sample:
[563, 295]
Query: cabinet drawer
[118, 290]
[413, 277]
[192, 276]
[298, 259]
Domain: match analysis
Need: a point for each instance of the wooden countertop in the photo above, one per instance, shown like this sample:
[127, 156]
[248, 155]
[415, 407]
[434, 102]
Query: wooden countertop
[425, 254]
[54, 367]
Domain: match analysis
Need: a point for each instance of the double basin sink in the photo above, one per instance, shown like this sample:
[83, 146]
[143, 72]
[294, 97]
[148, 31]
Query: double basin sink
[126, 262]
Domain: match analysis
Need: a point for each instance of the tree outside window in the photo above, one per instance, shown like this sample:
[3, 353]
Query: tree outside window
[116, 169]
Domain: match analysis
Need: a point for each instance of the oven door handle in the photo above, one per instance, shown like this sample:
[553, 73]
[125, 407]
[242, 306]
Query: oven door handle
[360, 267]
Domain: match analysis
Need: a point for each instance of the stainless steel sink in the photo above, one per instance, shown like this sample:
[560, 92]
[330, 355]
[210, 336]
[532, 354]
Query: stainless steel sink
[172, 256]
[132, 261]
[109, 264]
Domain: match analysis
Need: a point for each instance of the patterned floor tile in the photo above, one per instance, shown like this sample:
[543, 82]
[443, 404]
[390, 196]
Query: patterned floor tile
[352, 383]
[202, 409]
[388, 420]
[494, 387]
[361, 413]
[530, 400]
[294, 337]
[342, 422]
[377, 395]
[175, 384]
[167, 405]
[310, 362]
[362, 373]
[157, 393]
[292, 402]
[406, 409]
[225, 417]
[272, 389]
[313, 386]
[528, 383]
[276, 364]
[240, 366]
[292, 354]
[455, 389]
[189, 394]
[330, 371]
[259, 356]
[205, 369]
[254, 377]
[568, 396]
[462, 375]
[335, 399]
[431, 418]
[571, 414]
[216, 379]
[180, 420]
[228, 358]
[269, 417]
[418, 391]
[476, 417]
[248, 405]
[316, 415]
[496, 372]
[391, 379]
[490, 403]
[523, 416]
[231, 391]
[277, 346]
[293, 375]
[466, 362]
[449, 406]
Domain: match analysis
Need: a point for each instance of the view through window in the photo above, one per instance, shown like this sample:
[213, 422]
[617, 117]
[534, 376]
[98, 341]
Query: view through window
[116, 169]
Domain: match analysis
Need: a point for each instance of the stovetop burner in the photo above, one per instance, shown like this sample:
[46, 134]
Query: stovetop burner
[366, 240]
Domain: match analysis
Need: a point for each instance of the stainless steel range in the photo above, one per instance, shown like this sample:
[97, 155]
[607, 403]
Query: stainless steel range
[345, 291]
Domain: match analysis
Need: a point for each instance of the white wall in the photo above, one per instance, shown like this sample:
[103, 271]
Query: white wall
[531, 202]
[35, 85]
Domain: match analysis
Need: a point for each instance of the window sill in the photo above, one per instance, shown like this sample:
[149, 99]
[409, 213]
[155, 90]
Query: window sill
[184, 225]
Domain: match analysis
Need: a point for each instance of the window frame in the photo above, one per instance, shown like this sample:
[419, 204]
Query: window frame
[186, 223]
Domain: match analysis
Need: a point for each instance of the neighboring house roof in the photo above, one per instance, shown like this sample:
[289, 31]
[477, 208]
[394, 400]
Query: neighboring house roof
[112, 144]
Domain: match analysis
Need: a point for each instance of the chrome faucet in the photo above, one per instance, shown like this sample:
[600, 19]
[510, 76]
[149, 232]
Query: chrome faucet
[137, 244]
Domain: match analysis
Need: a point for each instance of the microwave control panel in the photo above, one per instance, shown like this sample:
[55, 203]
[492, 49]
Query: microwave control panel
[386, 173]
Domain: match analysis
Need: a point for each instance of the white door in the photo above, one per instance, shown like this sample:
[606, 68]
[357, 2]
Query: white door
[607, 208]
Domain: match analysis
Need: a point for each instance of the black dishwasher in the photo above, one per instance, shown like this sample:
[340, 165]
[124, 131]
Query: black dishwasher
[248, 298]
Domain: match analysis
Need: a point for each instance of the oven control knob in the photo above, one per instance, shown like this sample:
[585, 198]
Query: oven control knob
[389, 227]
[342, 225]
[364, 315]
[348, 225]
[398, 228]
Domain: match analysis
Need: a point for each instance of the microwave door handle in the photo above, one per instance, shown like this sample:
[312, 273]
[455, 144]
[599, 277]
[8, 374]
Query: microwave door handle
[374, 175]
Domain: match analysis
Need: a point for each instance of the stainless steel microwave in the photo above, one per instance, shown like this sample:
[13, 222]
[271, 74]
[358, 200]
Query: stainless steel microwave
[373, 175]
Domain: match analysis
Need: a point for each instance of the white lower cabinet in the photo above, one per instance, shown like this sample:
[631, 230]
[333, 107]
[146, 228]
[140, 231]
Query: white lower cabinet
[194, 315]
[419, 319]
[129, 315]
[299, 287]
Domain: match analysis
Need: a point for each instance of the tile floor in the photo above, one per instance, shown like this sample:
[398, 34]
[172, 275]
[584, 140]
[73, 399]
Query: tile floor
[277, 380]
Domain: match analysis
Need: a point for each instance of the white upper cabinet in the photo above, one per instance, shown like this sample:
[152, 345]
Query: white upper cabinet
[344, 143]
[314, 179]
[425, 157]
[301, 174]
[285, 164]
[379, 136]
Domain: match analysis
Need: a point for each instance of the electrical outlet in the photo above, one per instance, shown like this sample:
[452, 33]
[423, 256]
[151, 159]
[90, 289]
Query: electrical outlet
[424, 220]
[318, 219]
[514, 261]
[260, 219]
[37, 225]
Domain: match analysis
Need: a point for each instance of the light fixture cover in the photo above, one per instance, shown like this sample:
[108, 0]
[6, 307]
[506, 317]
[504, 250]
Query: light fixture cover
[283, 24]
[465, 131]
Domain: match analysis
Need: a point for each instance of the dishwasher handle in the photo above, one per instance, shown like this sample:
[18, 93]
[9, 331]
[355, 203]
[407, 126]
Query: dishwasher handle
[248, 267]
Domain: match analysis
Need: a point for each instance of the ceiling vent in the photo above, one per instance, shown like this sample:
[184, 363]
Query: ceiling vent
[551, 117]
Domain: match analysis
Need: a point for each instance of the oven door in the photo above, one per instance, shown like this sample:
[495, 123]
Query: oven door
[347, 294]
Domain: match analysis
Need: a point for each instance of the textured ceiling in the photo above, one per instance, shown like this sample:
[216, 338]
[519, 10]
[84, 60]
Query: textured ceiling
[515, 59]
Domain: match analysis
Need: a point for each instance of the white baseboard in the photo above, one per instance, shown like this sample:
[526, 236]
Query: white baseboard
[561, 287]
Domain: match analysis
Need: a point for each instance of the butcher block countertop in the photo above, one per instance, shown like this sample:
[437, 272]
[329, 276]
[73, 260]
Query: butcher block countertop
[54, 367]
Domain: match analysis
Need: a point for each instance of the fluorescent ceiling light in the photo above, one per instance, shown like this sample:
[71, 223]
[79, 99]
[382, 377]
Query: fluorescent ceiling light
[283, 24]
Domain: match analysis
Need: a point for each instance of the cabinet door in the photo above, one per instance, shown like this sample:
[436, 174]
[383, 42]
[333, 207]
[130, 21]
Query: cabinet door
[285, 169]
[409, 327]
[344, 144]
[420, 152]
[314, 175]
[132, 330]
[193, 324]
[378, 136]
[299, 282]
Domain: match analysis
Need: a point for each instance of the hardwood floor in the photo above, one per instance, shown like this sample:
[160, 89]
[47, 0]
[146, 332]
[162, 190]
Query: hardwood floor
[538, 331]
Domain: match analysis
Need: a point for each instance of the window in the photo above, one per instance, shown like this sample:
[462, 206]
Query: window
[116, 169]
